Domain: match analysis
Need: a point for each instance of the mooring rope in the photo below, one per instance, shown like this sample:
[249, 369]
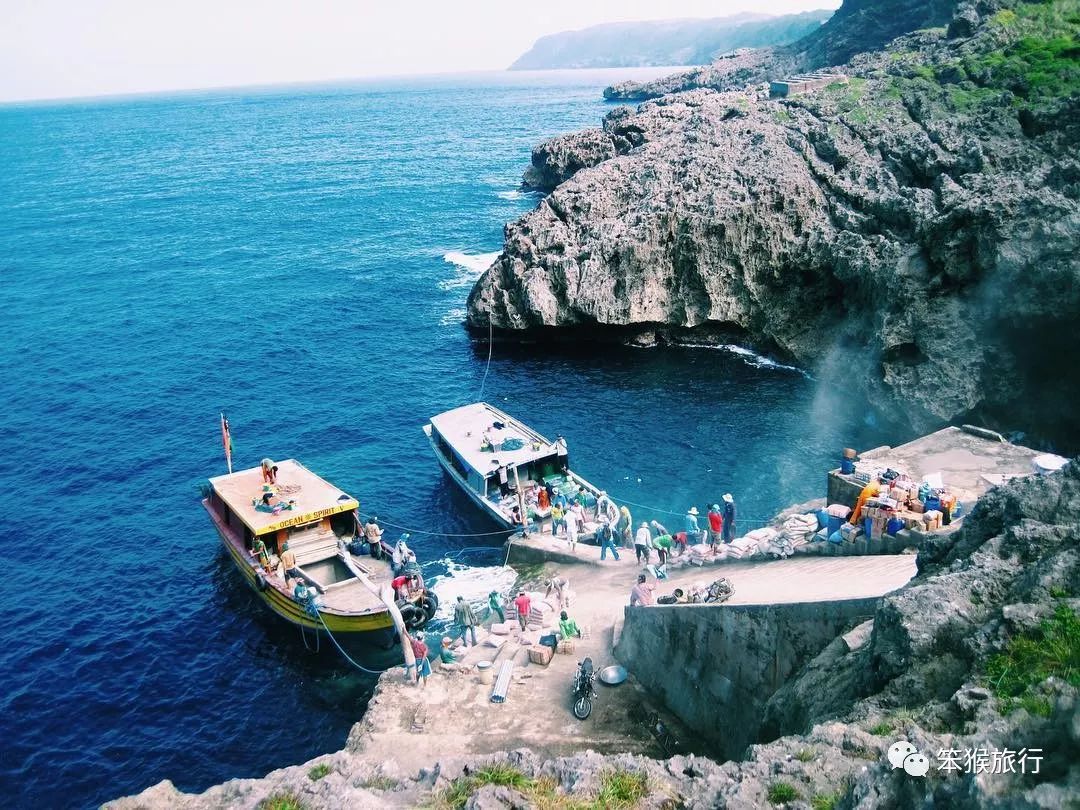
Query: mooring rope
[345, 655]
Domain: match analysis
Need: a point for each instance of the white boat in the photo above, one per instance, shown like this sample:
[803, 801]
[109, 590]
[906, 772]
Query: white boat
[501, 463]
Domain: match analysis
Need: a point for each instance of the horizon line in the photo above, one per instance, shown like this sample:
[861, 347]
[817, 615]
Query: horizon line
[133, 94]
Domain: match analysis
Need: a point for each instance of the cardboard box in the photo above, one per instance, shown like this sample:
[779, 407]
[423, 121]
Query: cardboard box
[540, 654]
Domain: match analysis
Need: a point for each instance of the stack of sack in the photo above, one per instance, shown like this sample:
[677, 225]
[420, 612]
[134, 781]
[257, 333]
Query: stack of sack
[751, 544]
[799, 530]
[779, 547]
[699, 554]
[541, 613]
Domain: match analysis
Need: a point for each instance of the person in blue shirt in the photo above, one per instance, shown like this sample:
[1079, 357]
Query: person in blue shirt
[693, 530]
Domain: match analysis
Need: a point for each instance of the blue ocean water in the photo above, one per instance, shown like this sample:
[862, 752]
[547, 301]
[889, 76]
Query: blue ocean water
[299, 258]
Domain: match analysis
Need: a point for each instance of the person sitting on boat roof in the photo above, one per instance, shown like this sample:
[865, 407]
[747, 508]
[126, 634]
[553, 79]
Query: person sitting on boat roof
[260, 553]
[373, 532]
[288, 562]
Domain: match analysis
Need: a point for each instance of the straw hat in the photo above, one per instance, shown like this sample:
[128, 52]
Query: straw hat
[728, 498]
[692, 510]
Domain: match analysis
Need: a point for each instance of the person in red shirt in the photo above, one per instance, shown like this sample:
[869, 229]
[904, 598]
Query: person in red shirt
[523, 605]
[420, 653]
[716, 525]
[400, 586]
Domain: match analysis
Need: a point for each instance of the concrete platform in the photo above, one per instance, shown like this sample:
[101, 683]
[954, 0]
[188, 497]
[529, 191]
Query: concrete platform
[453, 715]
[969, 464]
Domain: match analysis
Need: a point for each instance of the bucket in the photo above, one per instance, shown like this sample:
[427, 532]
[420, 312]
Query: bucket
[483, 669]
[847, 466]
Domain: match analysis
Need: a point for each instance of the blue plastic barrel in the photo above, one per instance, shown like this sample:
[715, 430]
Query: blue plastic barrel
[847, 466]
[894, 525]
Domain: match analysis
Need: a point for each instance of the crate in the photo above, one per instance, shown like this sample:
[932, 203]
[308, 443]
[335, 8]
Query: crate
[540, 654]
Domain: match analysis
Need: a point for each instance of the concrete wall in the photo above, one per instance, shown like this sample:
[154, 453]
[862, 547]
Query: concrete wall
[715, 666]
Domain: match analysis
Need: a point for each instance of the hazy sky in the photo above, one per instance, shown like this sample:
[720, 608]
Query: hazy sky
[60, 48]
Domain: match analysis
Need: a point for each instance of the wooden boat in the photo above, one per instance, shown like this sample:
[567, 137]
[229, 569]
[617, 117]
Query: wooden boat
[501, 463]
[318, 521]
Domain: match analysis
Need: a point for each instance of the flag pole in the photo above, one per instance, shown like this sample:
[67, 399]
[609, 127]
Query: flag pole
[226, 441]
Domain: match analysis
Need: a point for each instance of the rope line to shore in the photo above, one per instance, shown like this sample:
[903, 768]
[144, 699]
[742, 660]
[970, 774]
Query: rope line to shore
[437, 534]
[345, 654]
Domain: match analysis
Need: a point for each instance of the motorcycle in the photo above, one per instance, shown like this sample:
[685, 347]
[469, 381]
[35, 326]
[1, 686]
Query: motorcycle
[583, 690]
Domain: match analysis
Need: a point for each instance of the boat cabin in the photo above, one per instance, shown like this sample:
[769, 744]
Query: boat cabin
[302, 509]
[502, 463]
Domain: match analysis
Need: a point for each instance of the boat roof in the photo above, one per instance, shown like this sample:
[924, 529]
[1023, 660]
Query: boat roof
[315, 498]
[463, 429]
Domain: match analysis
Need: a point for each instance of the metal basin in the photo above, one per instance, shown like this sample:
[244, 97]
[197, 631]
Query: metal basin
[613, 675]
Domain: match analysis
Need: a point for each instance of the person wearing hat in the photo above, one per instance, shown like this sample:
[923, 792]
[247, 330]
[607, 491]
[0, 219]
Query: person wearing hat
[642, 593]
[729, 518]
[715, 526]
[495, 606]
[643, 542]
[693, 530]
[523, 605]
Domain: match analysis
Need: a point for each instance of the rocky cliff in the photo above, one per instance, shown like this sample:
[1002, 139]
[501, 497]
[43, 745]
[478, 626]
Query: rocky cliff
[666, 42]
[980, 652]
[859, 25]
[911, 232]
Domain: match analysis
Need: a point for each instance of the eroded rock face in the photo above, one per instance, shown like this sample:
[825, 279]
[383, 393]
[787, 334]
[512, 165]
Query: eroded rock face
[888, 233]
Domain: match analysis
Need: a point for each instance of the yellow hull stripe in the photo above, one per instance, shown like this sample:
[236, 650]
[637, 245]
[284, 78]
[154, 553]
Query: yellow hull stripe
[287, 608]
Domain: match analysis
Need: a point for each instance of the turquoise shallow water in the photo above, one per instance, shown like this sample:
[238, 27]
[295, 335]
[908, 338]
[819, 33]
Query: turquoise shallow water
[281, 254]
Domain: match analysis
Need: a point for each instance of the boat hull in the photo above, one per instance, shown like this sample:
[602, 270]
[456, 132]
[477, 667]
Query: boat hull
[489, 508]
[374, 629]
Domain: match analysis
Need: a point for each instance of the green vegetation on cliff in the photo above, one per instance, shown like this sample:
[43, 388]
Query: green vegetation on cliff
[1052, 651]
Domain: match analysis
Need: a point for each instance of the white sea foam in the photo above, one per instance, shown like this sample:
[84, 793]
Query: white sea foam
[747, 356]
[453, 317]
[518, 194]
[467, 268]
[472, 583]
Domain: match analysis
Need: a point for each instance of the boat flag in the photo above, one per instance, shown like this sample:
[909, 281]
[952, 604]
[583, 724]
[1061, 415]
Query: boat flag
[226, 441]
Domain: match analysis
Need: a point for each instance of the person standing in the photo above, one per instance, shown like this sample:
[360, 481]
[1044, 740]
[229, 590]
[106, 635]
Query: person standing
[571, 531]
[523, 605]
[729, 518]
[557, 519]
[607, 541]
[373, 534]
[464, 616]
[259, 552]
[577, 515]
[715, 526]
[642, 541]
[288, 563]
[495, 606]
[625, 528]
[642, 593]
[420, 653]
